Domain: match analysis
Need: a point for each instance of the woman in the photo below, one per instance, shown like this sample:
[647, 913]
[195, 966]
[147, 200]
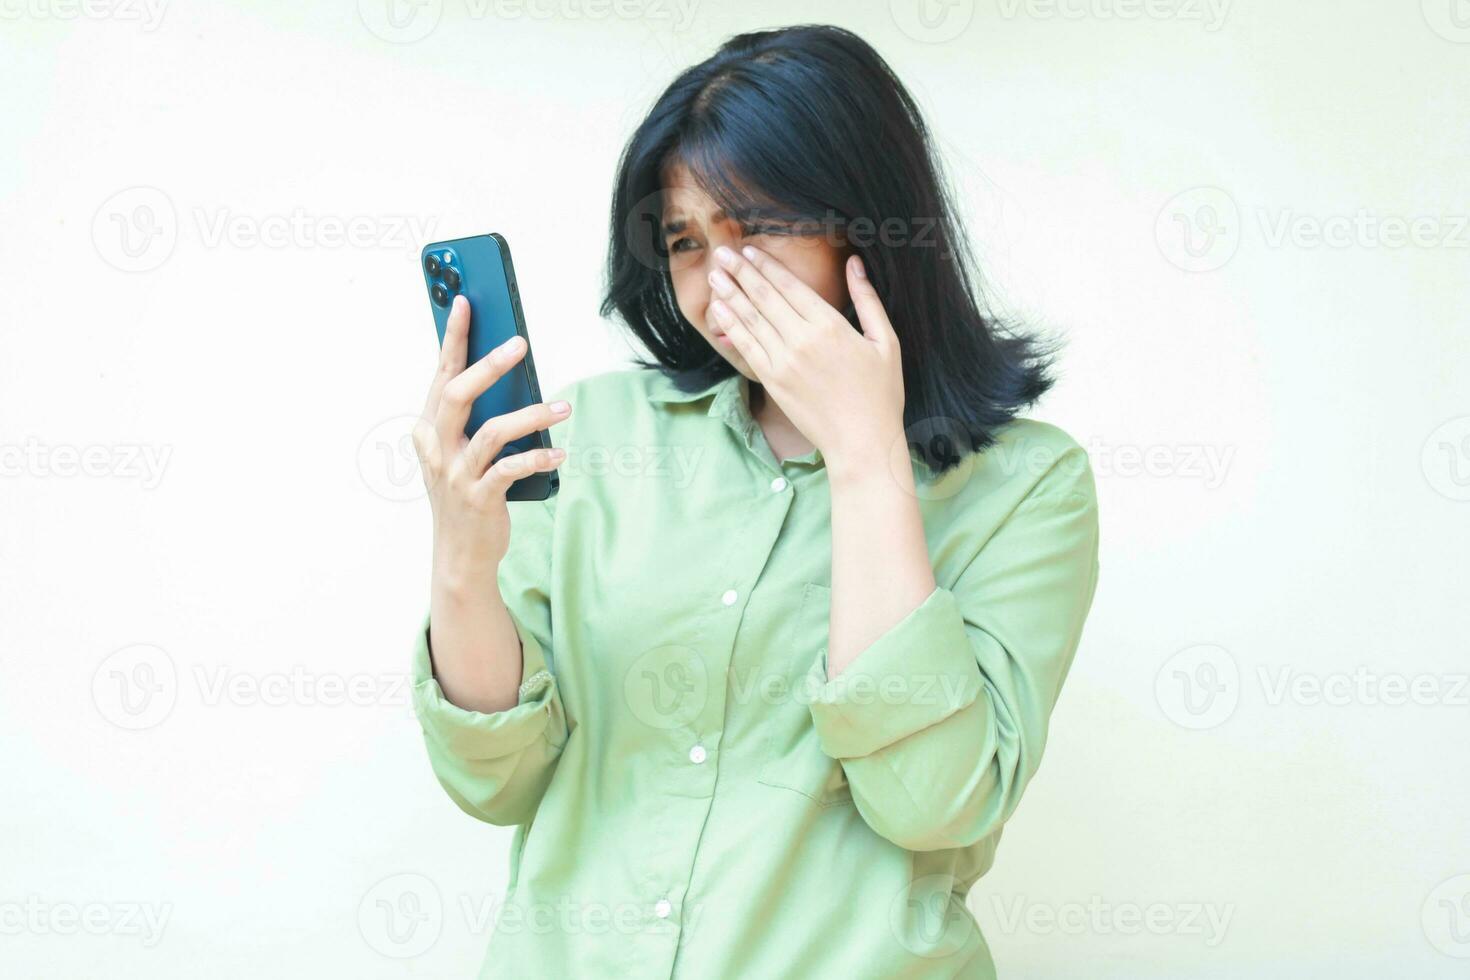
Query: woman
[760, 686]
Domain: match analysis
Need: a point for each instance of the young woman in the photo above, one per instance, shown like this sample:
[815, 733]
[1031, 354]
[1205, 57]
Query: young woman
[761, 685]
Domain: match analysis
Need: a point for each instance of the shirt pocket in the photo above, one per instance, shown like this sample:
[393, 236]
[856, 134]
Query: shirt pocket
[793, 758]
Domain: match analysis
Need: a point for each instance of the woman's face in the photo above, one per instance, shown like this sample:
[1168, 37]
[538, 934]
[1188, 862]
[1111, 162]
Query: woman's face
[695, 226]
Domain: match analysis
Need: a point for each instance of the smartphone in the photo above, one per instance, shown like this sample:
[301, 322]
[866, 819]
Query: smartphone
[480, 268]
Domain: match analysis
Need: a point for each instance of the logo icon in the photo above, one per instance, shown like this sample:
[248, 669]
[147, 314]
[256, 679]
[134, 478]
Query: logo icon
[136, 687]
[1446, 459]
[932, 21]
[1450, 19]
[667, 687]
[1199, 230]
[1446, 917]
[401, 916]
[400, 21]
[930, 919]
[388, 461]
[937, 442]
[1198, 687]
[135, 230]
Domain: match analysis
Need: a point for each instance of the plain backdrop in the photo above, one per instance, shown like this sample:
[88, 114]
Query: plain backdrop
[1247, 221]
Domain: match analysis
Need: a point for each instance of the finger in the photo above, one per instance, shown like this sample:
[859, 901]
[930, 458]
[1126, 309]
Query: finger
[461, 391]
[501, 430]
[451, 352]
[758, 289]
[744, 311]
[871, 314]
[803, 299]
[498, 478]
[745, 343]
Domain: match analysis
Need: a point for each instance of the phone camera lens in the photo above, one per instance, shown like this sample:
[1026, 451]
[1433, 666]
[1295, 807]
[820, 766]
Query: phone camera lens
[451, 277]
[432, 265]
[440, 294]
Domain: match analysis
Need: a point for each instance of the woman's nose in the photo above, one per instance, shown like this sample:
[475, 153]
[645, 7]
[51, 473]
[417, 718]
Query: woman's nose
[707, 266]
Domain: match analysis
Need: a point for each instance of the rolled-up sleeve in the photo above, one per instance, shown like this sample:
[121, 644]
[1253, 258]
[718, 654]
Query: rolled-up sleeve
[497, 766]
[940, 723]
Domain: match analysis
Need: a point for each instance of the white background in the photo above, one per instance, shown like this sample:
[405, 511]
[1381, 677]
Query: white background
[202, 442]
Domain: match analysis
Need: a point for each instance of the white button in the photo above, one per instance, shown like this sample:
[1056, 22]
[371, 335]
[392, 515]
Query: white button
[663, 908]
[729, 597]
[778, 484]
[697, 754]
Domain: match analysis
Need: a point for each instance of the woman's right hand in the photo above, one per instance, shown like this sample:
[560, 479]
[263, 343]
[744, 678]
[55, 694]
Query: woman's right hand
[467, 492]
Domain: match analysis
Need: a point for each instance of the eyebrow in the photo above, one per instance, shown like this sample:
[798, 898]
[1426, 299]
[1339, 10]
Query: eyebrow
[678, 225]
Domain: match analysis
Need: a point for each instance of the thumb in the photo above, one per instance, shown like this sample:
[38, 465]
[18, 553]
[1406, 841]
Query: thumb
[871, 315]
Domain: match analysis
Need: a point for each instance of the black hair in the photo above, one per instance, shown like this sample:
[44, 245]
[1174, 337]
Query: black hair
[809, 127]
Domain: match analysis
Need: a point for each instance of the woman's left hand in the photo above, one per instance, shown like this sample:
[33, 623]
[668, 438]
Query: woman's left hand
[842, 389]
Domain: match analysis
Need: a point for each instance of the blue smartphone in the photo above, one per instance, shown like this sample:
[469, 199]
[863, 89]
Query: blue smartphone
[480, 268]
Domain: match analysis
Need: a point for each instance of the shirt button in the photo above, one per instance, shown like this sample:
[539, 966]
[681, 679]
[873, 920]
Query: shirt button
[663, 908]
[729, 597]
[697, 754]
[778, 484]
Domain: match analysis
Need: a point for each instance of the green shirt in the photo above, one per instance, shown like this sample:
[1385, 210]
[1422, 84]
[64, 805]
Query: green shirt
[693, 798]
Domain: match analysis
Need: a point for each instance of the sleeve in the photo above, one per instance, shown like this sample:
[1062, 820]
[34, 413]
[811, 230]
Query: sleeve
[939, 724]
[497, 766]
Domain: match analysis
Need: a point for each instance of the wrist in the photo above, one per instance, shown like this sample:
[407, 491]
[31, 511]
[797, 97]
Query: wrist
[883, 461]
[461, 579]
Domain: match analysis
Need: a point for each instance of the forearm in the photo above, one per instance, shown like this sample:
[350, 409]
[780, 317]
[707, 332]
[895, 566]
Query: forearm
[881, 569]
[476, 651]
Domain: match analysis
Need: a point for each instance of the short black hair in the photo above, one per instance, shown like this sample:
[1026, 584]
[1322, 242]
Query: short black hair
[809, 125]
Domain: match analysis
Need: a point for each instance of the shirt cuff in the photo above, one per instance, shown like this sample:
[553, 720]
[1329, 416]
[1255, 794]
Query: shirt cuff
[921, 671]
[475, 734]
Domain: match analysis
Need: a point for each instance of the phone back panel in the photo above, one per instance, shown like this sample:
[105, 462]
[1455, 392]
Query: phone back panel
[482, 271]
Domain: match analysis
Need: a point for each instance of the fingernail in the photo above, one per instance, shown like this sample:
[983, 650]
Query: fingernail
[857, 267]
[721, 281]
[749, 251]
[510, 346]
[725, 256]
[558, 453]
[561, 408]
[721, 312]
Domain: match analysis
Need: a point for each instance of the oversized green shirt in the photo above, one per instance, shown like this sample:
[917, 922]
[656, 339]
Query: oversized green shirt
[693, 797]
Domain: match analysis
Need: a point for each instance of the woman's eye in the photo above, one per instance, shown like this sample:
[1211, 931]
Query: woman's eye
[683, 245]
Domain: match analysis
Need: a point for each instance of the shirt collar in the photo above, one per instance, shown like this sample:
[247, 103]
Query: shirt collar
[665, 391]
[729, 401]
